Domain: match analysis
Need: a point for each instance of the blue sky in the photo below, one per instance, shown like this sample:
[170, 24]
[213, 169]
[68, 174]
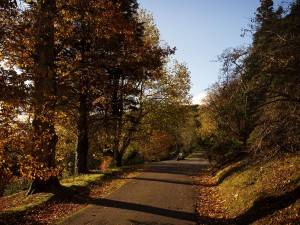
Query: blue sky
[201, 30]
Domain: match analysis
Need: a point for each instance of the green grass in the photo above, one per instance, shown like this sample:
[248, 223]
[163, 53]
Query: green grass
[82, 180]
[20, 202]
[249, 184]
[240, 191]
[194, 153]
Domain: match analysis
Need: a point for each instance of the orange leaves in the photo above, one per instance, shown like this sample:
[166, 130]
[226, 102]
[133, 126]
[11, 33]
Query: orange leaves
[156, 146]
[210, 205]
[34, 169]
[18, 153]
[65, 53]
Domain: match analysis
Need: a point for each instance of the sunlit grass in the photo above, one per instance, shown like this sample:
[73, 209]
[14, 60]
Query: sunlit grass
[82, 180]
[21, 202]
[244, 187]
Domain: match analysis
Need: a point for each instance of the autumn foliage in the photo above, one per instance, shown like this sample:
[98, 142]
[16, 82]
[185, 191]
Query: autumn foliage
[79, 80]
[254, 108]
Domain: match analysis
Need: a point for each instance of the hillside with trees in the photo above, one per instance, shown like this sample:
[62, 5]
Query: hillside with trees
[249, 126]
[253, 110]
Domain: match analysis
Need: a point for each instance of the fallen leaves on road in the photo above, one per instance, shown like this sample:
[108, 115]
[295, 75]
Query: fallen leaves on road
[210, 207]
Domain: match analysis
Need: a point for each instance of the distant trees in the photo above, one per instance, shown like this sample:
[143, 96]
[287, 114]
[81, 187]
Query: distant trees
[227, 118]
[80, 80]
[165, 109]
[256, 103]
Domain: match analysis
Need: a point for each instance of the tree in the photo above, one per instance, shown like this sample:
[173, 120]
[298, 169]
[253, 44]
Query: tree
[82, 63]
[88, 57]
[276, 43]
[44, 93]
[90, 60]
[8, 4]
[126, 84]
[166, 109]
[228, 116]
[29, 46]
[10, 101]
[256, 103]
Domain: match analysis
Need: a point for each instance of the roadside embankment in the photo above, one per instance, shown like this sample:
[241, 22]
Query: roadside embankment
[245, 193]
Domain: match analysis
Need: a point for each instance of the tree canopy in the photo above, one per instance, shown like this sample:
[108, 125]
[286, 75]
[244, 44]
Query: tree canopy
[79, 81]
[254, 108]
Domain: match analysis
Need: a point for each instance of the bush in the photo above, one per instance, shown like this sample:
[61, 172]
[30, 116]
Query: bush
[106, 164]
[224, 151]
[15, 185]
[4, 181]
[133, 157]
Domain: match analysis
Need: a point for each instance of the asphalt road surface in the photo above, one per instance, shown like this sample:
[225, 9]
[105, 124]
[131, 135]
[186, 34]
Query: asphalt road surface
[163, 194]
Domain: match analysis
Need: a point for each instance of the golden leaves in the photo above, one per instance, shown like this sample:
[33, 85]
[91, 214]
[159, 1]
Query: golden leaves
[210, 205]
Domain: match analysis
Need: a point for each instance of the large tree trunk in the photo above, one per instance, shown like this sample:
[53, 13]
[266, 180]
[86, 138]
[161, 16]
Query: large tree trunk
[44, 95]
[39, 185]
[117, 112]
[117, 156]
[83, 141]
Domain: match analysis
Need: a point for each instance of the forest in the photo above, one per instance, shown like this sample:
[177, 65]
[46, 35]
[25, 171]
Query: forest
[249, 125]
[253, 110]
[84, 81]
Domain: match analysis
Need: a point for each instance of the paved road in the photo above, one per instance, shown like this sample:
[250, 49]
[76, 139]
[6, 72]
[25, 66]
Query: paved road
[163, 194]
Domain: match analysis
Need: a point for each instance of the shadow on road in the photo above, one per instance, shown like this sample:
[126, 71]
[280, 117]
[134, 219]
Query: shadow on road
[189, 167]
[146, 209]
[165, 181]
[135, 222]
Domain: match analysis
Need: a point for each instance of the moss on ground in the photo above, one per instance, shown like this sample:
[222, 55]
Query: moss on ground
[20, 202]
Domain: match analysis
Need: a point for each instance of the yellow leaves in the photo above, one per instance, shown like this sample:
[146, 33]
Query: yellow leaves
[118, 5]
[78, 57]
[100, 100]
[210, 204]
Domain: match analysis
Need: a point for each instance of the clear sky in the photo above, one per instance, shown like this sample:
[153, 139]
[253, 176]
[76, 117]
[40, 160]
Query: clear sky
[201, 30]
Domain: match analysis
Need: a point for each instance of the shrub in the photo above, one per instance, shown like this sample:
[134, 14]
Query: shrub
[15, 185]
[224, 151]
[133, 157]
[4, 181]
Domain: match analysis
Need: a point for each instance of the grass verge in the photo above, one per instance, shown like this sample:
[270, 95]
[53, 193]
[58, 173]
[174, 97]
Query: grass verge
[265, 193]
[75, 193]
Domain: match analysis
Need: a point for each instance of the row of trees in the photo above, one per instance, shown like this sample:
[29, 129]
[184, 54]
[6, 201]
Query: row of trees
[79, 80]
[254, 108]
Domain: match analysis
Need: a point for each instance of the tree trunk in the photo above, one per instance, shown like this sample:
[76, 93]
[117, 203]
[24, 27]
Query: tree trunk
[44, 95]
[117, 157]
[39, 185]
[117, 112]
[83, 140]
